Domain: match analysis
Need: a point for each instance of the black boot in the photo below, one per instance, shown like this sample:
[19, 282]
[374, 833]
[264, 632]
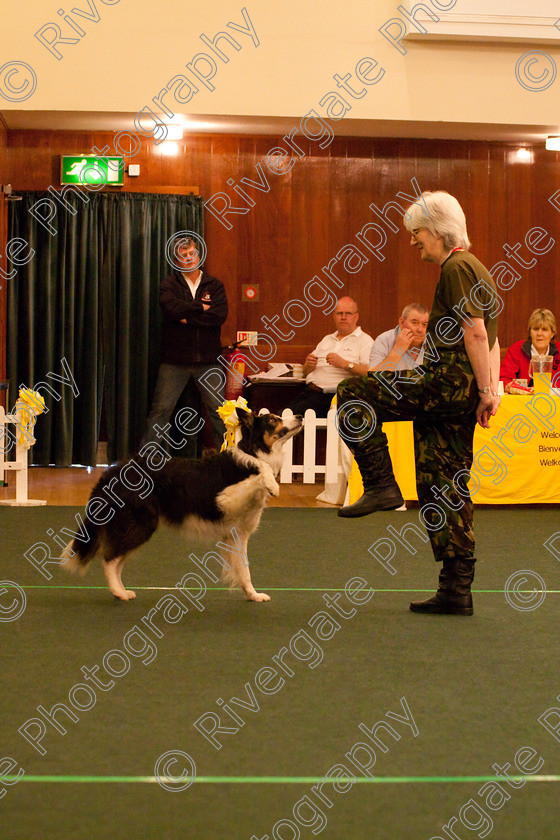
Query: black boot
[454, 591]
[381, 491]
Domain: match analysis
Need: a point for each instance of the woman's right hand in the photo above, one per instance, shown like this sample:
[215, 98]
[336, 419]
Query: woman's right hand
[484, 410]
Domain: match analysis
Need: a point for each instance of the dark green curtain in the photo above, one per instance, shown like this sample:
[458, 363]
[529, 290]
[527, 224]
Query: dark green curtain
[90, 295]
[53, 306]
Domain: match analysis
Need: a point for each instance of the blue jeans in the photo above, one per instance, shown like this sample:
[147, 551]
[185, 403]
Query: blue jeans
[171, 381]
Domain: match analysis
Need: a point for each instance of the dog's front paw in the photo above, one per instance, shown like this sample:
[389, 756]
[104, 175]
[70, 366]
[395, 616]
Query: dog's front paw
[269, 481]
[271, 484]
[273, 488]
[259, 596]
[125, 595]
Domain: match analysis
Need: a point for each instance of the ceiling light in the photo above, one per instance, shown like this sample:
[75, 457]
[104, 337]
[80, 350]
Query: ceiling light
[189, 123]
[174, 132]
[553, 144]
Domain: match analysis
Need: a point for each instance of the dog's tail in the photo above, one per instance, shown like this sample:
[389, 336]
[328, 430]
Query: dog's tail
[79, 553]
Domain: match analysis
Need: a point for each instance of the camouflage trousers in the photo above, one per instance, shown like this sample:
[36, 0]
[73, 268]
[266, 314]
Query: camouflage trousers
[441, 401]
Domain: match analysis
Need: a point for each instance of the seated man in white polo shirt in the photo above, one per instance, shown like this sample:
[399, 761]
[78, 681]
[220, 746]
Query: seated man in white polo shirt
[335, 358]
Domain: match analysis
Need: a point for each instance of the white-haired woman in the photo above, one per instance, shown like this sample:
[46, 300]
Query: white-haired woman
[456, 387]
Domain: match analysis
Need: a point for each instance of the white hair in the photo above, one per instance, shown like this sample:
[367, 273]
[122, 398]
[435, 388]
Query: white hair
[441, 214]
[417, 307]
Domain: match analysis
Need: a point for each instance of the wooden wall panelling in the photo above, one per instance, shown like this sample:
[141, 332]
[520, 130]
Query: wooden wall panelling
[397, 281]
[338, 191]
[414, 283]
[316, 225]
[286, 264]
[518, 216]
[316, 208]
[241, 238]
[460, 174]
[301, 263]
[431, 173]
[544, 215]
[4, 179]
[268, 258]
[477, 220]
[494, 208]
[261, 265]
[445, 155]
[222, 162]
[359, 168]
[374, 310]
[337, 197]
[180, 164]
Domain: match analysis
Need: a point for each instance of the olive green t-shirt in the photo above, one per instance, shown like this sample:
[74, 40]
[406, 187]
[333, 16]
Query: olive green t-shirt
[465, 288]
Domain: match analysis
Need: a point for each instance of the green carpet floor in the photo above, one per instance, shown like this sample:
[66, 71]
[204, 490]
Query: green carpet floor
[474, 688]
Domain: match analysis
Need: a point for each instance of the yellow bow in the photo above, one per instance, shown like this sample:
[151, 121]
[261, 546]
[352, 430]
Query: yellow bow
[28, 405]
[230, 419]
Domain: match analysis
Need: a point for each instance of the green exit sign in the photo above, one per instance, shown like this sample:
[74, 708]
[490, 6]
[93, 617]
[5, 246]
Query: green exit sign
[90, 170]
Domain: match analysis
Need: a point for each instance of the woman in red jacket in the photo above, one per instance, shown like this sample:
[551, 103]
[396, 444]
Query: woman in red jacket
[540, 342]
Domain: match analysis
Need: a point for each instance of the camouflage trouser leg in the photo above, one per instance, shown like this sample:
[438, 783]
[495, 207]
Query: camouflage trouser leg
[443, 459]
[441, 401]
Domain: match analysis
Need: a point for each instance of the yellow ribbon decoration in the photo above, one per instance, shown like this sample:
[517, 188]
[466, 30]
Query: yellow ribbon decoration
[231, 420]
[28, 405]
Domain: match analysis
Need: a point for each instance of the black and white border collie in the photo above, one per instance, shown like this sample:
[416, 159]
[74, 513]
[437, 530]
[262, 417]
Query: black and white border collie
[207, 498]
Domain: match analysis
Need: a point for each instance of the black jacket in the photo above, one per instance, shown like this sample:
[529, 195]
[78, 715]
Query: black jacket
[197, 341]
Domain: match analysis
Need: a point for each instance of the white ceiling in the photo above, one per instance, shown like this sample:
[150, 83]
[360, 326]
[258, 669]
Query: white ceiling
[223, 124]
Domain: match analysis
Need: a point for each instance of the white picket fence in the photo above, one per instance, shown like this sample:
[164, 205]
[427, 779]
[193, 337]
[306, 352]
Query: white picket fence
[334, 466]
[19, 466]
[334, 471]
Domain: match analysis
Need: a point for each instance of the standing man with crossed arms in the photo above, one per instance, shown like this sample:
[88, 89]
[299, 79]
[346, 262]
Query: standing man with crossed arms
[194, 306]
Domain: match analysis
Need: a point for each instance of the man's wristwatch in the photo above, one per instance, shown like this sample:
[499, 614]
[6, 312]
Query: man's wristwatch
[350, 366]
[484, 390]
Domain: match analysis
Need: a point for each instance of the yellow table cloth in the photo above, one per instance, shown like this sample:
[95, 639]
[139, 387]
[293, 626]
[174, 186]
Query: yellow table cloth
[515, 461]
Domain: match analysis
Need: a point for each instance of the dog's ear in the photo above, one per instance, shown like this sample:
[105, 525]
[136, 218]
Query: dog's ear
[245, 417]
